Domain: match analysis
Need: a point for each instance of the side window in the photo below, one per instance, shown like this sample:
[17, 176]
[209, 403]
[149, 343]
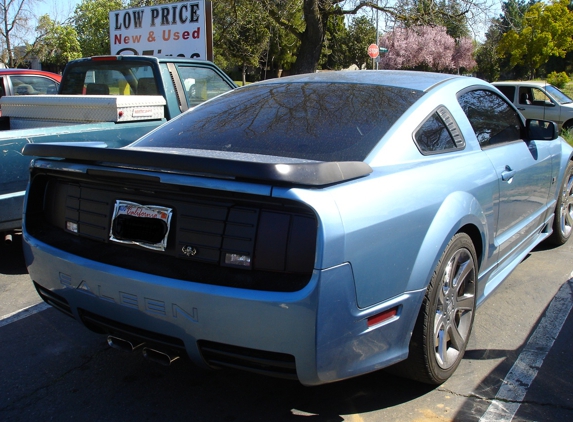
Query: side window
[201, 84]
[525, 96]
[33, 85]
[508, 91]
[539, 97]
[493, 120]
[438, 133]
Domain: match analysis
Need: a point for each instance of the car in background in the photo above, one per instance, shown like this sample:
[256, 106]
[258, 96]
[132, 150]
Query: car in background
[28, 82]
[539, 100]
[315, 227]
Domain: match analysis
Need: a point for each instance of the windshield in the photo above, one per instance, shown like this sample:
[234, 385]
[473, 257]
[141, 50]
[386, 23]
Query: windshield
[559, 95]
[311, 121]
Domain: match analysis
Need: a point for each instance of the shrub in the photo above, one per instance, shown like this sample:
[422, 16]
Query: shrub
[568, 136]
[558, 79]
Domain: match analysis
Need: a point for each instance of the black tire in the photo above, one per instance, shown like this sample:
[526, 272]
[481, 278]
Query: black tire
[445, 321]
[568, 125]
[563, 221]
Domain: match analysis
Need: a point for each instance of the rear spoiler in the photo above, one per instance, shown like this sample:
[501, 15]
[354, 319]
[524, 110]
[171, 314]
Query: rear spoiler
[320, 173]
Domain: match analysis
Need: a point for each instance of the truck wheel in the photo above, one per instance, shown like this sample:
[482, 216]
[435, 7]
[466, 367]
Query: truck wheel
[445, 321]
[563, 221]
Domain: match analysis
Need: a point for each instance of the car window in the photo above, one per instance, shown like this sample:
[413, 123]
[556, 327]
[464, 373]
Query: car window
[114, 78]
[313, 121]
[532, 96]
[201, 84]
[493, 120]
[435, 135]
[508, 91]
[33, 85]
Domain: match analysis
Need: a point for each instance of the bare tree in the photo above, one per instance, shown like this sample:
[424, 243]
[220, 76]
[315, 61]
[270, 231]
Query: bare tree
[16, 21]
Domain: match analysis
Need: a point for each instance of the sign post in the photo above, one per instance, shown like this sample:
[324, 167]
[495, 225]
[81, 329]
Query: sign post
[373, 51]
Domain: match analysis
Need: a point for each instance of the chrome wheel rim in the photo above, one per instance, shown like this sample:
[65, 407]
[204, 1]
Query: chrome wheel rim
[455, 308]
[566, 220]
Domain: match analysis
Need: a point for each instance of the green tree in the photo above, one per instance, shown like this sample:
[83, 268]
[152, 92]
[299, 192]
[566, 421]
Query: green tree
[361, 33]
[547, 31]
[91, 22]
[56, 44]
[318, 13]
[334, 47]
[487, 59]
[242, 31]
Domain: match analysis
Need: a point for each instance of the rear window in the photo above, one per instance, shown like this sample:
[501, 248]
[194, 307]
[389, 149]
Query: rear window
[112, 78]
[313, 121]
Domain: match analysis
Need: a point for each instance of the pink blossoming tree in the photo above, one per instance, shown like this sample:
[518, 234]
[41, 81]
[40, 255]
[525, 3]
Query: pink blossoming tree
[426, 48]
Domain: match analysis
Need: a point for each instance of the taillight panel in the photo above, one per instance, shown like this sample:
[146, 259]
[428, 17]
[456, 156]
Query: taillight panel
[247, 238]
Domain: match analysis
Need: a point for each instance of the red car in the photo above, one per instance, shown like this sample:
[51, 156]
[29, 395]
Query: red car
[28, 82]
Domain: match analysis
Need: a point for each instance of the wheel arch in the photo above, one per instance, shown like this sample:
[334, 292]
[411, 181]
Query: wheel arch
[566, 156]
[460, 212]
[568, 124]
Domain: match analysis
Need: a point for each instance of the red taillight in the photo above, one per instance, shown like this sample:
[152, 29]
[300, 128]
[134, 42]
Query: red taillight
[382, 316]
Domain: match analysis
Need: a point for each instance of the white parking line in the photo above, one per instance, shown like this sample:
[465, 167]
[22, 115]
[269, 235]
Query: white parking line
[524, 370]
[23, 313]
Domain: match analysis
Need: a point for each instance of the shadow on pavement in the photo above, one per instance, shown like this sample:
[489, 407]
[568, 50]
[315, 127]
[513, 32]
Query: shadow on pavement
[12, 257]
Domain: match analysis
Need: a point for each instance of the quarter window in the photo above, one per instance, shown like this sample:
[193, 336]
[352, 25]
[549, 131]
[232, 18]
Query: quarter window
[438, 133]
[493, 120]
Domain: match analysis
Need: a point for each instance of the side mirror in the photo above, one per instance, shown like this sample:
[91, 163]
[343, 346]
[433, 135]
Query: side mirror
[549, 104]
[541, 130]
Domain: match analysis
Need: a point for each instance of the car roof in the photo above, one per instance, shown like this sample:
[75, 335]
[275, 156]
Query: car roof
[30, 72]
[531, 83]
[408, 79]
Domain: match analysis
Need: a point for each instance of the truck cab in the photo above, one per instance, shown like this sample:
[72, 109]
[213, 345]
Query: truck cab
[183, 83]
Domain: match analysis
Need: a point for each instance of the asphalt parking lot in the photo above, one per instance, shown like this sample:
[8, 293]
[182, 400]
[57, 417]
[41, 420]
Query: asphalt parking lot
[54, 369]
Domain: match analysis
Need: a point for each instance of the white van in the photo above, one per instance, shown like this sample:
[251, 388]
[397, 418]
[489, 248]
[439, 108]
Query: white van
[539, 100]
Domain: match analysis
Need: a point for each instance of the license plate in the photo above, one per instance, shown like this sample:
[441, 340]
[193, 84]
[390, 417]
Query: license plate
[143, 225]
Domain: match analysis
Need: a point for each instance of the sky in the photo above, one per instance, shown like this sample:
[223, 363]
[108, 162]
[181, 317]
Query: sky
[59, 10]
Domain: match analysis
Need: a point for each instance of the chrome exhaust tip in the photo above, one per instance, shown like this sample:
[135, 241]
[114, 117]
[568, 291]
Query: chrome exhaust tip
[158, 356]
[122, 344]
[8, 238]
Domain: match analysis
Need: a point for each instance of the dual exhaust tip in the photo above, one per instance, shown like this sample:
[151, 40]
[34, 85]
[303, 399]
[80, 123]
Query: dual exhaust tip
[162, 357]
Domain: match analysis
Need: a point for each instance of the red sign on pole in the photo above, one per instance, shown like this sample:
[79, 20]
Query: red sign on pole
[373, 50]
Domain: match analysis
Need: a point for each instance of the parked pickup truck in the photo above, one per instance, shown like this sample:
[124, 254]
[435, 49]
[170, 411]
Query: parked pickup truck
[539, 100]
[115, 99]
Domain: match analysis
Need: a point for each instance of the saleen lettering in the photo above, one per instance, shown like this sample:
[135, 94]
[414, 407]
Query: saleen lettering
[131, 300]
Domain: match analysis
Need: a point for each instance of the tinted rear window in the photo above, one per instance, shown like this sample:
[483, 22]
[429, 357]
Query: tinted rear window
[314, 121]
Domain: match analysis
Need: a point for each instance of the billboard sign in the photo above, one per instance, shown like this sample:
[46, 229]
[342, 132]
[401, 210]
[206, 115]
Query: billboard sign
[167, 30]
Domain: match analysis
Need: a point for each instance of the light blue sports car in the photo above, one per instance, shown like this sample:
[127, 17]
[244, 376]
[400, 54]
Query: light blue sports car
[314, 227]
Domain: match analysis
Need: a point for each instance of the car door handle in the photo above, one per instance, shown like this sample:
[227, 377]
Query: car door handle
[521, 108]
[507, 174]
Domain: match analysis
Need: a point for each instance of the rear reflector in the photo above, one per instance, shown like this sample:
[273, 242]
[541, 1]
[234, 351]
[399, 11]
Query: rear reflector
[383, 316]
